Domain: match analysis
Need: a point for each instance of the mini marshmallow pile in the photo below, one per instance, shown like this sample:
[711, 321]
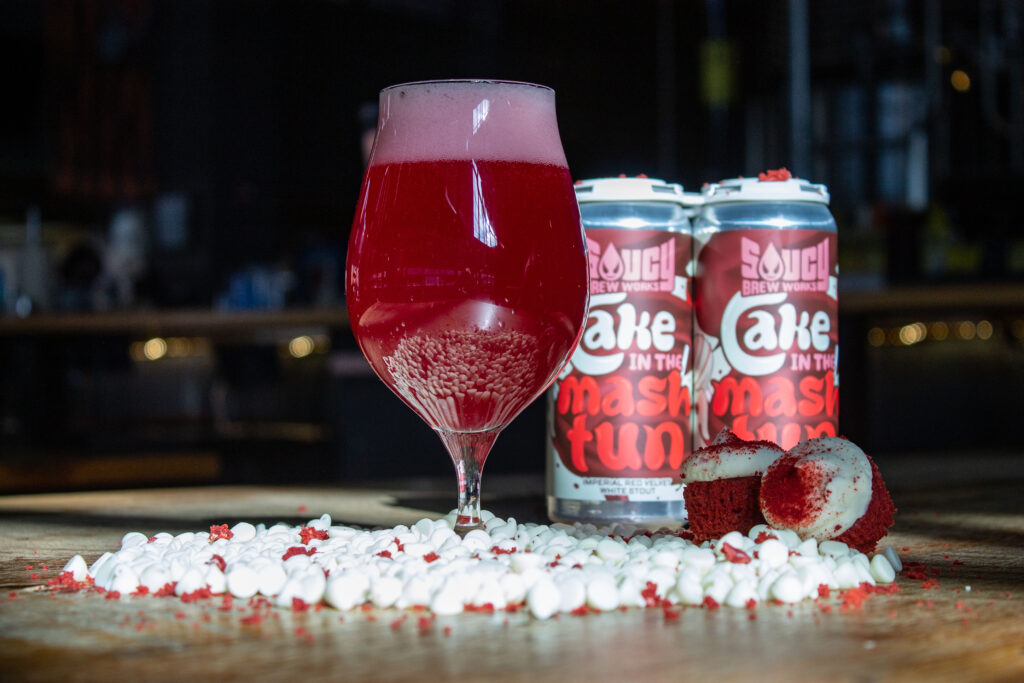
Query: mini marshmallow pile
[549, 568]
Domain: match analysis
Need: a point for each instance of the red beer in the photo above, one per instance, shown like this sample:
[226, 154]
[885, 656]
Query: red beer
[492, 301]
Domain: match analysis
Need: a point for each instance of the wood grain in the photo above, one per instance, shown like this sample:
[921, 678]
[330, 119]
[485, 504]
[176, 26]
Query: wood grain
[953, 509]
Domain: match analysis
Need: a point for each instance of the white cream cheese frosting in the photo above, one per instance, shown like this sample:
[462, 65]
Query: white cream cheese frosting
[728, 457]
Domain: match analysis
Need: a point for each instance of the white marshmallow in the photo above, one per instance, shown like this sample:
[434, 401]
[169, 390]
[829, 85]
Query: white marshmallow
[893, 558]
[881, 570]
[242, 582]
[243, 532]
[602, 593]
[543, 599]
[77, 568]
[787, 589]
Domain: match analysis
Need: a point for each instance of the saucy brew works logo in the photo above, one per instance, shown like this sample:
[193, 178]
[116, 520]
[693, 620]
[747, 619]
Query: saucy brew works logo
[772, 269]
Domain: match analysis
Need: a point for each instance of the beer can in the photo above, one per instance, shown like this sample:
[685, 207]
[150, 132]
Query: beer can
[620, 414]
[766, 311]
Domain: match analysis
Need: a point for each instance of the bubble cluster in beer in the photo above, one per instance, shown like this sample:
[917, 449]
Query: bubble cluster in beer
[463, 380]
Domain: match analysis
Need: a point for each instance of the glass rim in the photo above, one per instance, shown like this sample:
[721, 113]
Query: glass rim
[479, 81]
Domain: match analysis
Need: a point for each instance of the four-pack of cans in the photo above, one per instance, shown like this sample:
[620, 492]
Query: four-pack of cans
[707, 311]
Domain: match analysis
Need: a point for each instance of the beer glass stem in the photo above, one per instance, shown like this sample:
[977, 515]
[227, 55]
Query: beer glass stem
[469, 452]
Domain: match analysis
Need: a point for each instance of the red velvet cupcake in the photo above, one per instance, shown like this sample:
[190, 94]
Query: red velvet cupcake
[722, 485]
[828, 488]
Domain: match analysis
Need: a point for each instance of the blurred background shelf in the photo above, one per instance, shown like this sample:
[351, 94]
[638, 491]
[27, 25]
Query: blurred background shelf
[174, 322]
[194, 166]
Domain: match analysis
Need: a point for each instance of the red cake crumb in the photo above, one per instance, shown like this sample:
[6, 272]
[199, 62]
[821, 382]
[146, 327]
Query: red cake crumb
[196, 595]
[431, 557]
[307, 534]
[297, 550]
[735, 555]
[218, 562]
[775, 174]
[220, 531]
[651, 597]
[65, 583]
[166, 590]
[717, 507]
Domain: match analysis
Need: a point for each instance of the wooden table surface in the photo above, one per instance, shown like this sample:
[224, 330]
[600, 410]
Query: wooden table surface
[961, 515]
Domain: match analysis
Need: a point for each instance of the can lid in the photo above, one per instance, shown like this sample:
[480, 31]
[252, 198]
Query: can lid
[765, 190]
[637, 189]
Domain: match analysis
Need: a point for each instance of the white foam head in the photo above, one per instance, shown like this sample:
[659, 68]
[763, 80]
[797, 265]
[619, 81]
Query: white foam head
[467, 120]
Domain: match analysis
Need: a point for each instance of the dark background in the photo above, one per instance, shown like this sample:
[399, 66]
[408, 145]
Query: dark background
[246, 118]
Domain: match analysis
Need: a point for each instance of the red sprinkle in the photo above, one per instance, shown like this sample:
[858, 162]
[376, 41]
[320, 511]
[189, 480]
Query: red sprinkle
[307, 534]
[220, 531]
[735, 555]
[671, 614]
[823, 591]
[113, 595]
[710, 602]
[495, 550]
[764, 536]
[219, 562]
[431, 557]
[299, 605]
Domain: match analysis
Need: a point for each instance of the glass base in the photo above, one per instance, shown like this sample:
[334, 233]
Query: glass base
[648, 514]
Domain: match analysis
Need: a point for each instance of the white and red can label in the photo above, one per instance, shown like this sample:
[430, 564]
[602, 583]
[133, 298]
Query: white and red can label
[621, 409]
[766, 335]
